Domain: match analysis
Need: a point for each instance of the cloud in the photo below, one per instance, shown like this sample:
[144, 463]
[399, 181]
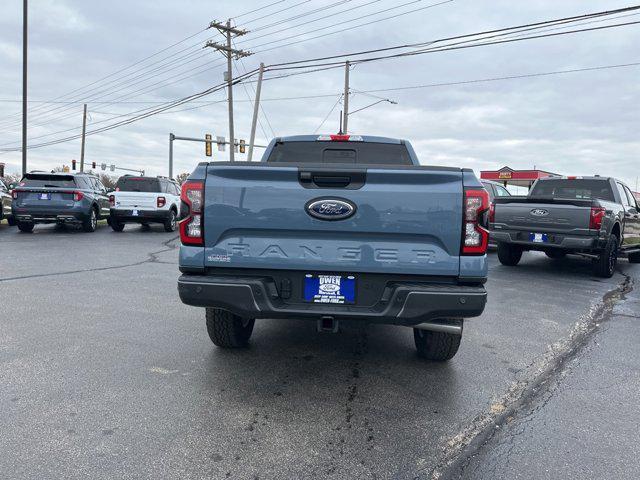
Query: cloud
[574, 123]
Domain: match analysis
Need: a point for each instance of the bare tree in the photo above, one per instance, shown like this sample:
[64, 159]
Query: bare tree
[182, 177]
[108, 181]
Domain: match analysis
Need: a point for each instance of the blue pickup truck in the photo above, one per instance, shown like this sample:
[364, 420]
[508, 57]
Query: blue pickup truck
[334, 229]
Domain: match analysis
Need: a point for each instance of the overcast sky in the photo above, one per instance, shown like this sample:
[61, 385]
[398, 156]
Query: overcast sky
[579, 123]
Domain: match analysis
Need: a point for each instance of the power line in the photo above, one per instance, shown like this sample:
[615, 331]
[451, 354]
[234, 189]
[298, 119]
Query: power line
[247, 22]
[458, 37]
[329, 114]
[345, 22]
[138, 62]
[332, 24]
[259, 9]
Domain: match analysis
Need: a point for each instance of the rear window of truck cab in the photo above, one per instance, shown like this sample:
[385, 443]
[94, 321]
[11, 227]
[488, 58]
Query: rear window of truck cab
[340, 152]
[48, 181]
[138, 184]
[574, 189]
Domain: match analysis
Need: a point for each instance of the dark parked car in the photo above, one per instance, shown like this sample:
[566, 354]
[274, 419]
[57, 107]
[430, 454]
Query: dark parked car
[62, 198]
[595, 217]
[5, 203]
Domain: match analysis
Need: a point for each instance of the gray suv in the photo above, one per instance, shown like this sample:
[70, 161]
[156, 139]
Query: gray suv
[61, 198]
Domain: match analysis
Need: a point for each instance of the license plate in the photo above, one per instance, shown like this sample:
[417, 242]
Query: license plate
[337, 289]
[134, 213]
[538, 237]
[45, 196]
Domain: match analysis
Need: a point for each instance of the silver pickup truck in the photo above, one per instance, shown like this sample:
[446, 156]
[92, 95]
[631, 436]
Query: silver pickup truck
[595, 217]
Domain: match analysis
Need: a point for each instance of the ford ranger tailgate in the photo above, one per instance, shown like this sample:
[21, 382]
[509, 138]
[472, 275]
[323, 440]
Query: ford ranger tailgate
[270, 216]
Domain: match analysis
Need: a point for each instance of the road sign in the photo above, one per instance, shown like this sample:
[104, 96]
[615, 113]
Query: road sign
[220, 142]
[207, 145]
[65, 168]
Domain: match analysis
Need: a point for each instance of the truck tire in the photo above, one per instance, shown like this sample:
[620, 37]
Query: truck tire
[11, 221]
[556, 254]
[436, 346]
[25, 227]
[605, 265]
[509, 254]
[90, 224]
[117, 226]
[227, 330]
[634, 257]
[170, 222]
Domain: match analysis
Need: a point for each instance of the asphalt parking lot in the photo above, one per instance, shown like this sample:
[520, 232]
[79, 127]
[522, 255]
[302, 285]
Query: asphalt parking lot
[105, 374]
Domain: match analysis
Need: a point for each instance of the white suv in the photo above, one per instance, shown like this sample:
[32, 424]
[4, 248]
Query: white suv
[144, 200]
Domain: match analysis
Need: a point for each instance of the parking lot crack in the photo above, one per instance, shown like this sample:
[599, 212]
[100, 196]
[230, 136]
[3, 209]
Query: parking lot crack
[152, 257]
[537, 389]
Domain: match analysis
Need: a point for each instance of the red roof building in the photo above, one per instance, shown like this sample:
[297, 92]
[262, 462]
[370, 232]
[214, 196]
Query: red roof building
[519, 178]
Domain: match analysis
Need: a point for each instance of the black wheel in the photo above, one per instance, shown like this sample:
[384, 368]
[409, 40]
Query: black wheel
[634, 257]
[556, 254]
[170, 222]
[91, 222]
[11, 221]
[117, 226]
[25, 227]
[605, 265]
[436, 346]
[227, 330]
[509, 254]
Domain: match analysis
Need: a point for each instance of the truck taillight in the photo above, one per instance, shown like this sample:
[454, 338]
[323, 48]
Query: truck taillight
[77, 196]
[475, 236]
[161, 202]
[192, 197]
[112, 200]
[595, 219]
[492, 212]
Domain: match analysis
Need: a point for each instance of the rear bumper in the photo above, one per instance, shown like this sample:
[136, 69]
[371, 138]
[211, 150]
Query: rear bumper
[144, 216]
[50, 216]
[556, 240]
[406, 304]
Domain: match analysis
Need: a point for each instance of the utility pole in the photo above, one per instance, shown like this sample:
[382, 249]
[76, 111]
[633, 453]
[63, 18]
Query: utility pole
[25, 11]
[256, 106]
[172, 137]
[84, 131]
[345, 121]
[229, 32]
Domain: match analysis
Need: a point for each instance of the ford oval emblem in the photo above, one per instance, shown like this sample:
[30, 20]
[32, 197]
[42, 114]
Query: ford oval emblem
[539, 212]
[330, 208]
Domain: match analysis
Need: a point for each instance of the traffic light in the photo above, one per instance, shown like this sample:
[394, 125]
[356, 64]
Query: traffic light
[207, 148]
[93, 165]
[242, 146]
[73, 164]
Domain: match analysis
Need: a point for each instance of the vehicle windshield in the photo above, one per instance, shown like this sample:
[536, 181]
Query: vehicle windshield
[48, 181]
[574, 189]
[138, 184]
[341, 152]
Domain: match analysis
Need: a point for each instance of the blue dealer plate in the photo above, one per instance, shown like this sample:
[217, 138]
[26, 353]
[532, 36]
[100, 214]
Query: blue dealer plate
[538, 237]
[337, 289]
